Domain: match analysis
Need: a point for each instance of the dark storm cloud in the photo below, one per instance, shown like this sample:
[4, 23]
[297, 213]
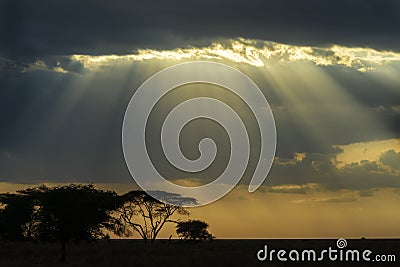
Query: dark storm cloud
[37, 28]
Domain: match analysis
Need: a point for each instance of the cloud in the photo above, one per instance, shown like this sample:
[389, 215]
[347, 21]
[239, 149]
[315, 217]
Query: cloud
[336, 200]
[322, 169]
[370, 151]
[391, 158]
[39, 65]
[66, 127]
[366, 193]
[30, 29]
[290, 189]
[171, 198]
[289, 74]
[341, 199]
[188, 182]
[249, 51]
[256, 53]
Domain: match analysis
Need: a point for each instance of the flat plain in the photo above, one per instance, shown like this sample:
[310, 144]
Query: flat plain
[226, 252]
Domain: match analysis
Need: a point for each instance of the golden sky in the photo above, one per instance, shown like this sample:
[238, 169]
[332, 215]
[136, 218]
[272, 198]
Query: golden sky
[309, 213]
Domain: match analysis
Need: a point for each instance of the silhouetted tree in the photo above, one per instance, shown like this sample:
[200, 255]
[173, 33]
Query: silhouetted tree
[193, 230]
[146, 215]
[73, 212]
[16, 217]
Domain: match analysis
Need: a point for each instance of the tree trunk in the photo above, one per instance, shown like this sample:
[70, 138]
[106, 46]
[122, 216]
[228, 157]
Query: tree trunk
[63, 244]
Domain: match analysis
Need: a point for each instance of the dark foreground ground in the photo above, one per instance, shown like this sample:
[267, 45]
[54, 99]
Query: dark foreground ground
[216, 253]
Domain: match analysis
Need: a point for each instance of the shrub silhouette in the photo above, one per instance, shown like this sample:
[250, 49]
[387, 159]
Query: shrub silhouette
[193, 230]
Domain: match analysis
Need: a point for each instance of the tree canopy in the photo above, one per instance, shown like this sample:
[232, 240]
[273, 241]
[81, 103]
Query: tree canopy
[146, 215]
[16, 216]
[63, 213]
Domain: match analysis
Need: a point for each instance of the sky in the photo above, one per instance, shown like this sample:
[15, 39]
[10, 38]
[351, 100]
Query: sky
[329, 70]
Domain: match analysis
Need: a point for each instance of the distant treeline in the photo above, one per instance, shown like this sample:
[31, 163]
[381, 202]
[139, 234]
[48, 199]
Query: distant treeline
[78, 213]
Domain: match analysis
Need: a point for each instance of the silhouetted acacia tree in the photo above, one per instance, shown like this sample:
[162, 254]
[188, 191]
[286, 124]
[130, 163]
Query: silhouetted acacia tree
[146, 215]
[193, 230]
[73, 212]
[16, 216]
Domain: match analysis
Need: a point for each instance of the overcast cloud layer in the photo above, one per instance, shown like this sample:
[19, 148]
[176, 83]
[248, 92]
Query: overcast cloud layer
[61, 113]
[37, 28]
